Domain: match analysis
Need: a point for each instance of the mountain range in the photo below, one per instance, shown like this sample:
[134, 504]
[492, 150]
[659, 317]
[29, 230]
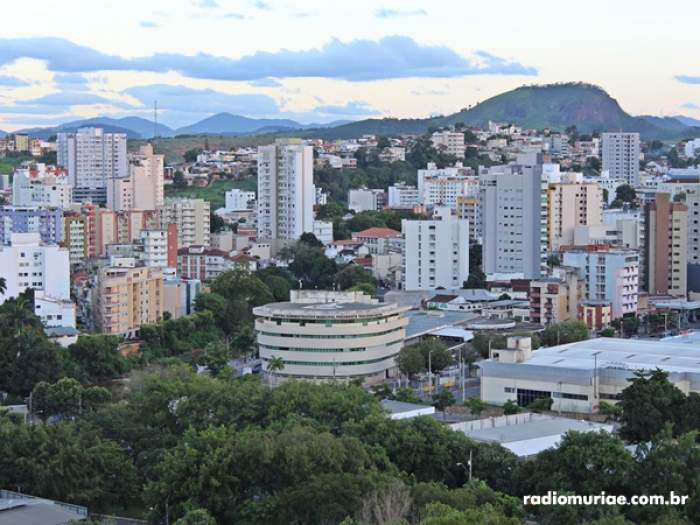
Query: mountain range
[553, 106]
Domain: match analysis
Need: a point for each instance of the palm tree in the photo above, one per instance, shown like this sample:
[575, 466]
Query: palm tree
[3, 286]
[275, 364]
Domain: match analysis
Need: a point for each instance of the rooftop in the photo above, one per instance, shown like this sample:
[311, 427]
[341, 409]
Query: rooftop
[421, 322]
[376, 232]
[328, 310]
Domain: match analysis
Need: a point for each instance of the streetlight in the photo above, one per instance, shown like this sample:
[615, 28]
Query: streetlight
[469, 464]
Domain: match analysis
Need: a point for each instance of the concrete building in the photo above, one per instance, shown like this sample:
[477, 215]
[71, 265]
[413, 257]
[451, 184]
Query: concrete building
[155, 248]
[620, 155]
[514, 219]
[75, 237]
[322, 335]
[578, 376]
[202, 263]
[286, 192]
[126, 298]
[142, 189]
[363, 199]
[596, 314]
[41, 185]
[469, 208]
[27, 262]
[402, 196]
[239, 200]
[48, 223]
[572, 203]
[554, 299]
[435, 252]
[379, 241]
[450, 142]
[666, 250]
[93, 159]
[443, 186]
[323, 231]
[610, 275]
[192, 218]
[179, 295]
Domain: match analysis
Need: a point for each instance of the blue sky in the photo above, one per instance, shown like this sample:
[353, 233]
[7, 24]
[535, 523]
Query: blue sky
[319, 61]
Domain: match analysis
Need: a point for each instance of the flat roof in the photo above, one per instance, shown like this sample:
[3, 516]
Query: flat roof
[691, 337]
[401, 407]
[629, 354]
[323, 310]
[421, 322]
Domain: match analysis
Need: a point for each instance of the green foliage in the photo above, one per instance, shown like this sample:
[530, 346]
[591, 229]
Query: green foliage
[625, 193]
[66, 398]
[475, 405]
[312, 267]
[481, 341]
[649, 403]
[196, 517]
[443, 399]
[510, 407]
[353, 275]
[97, 357]
[542, 404]
[378, 175]
[185, 335]
[381, 219]
[564, 333]
[216, 356]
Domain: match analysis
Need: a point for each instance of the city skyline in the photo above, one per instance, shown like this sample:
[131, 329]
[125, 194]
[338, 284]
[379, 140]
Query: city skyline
[355, 61]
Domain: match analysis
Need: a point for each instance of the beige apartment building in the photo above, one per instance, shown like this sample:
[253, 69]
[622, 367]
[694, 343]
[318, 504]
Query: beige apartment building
[126, 298]
[554, 299]
[192, 219]
[572, 203]
[450, 142]
[666, 271]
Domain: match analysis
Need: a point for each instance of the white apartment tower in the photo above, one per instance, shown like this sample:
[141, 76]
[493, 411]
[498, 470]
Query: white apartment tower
[620, 152]
[514, 219]
[435, 252]
[286, 192]
[93, 159]
[192, 217]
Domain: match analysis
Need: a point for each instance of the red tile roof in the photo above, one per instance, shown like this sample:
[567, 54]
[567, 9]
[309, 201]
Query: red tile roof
[379, 233]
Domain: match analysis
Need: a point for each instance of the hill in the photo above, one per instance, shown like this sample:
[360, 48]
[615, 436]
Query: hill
[553, 106]
[134, 127]
[688, 121]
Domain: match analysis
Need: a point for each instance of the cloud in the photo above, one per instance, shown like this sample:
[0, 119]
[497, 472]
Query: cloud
[687, 79]
[397, 13]
[10, 81]
[67, 99]
[265, 82]
[690, 105]
[260, 4]
[71, 80]
[358, 60]
[205, 101]
[206, 4]
[355, 108]
[149, 24]
[236, 16]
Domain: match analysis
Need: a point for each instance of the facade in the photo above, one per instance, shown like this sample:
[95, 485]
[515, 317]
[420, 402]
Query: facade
[239, 200]
[620, 155]
[666, 251]
[596, 314]
[469, 208]
[435, 252]
[179, 295]
[402, 196]
[610, 275]
[554, 300]
[48, 223]
[142, 189]
[379, 241]
[201, 263]
[155, 248]
[75, 237]
[27, 262]
[363, 199]
[578, 376]
[331, 335]
[323, 231]
[93, 159]
[126, 298]
[191, 216]
[572, 203]
[514, 219]
[443, 186]
[286, 192]
[41, 186]
[450, 142]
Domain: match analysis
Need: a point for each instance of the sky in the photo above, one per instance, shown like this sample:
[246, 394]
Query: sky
[325, 60]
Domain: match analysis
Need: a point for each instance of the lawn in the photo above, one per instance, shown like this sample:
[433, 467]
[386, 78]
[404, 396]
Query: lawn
[214, 193]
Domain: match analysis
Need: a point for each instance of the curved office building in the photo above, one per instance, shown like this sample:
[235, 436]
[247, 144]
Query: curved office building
[326, 340]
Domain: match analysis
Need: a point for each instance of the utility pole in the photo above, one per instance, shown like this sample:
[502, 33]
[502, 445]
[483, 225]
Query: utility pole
[470, 466]
[430, 371]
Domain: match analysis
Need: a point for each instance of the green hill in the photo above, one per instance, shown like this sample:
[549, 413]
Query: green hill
[553, 106]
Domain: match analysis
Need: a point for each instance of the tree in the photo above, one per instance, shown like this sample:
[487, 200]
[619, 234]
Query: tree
[625, 193]
[679, 197]
[607, 332]
[410, 360]
[564, 333]
[435, 353]
[383, 142]
[274, 365]
[3, 286]
[510, 407]
[443, 399]
[648, 404]
[196, 517]
[97, 358]
[191, 154]
[483, 341]
[542, 404]
[312, 267]
[310, 239]
[365, 288]
[475, 405]
[610, 411]
[476, 280]
[179, 181]
[354, 274]
[216, 357]
[216, 223]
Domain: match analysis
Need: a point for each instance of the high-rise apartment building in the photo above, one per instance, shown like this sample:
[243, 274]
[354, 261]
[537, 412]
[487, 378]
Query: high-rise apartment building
[469, 208]
[450, 142]
[402, 196]
[126, 298]
[572, 203]
[435, 252]
[286, 192]
[366, 199]
[443, 186]
[666, 250]
[47, 222]
[555, 299]
[620, 152]
[41, 185]
[191, 216]
[142, 189]
[75, 237]
[93, 160]
[514, 219]
[155, 248]
[610, 275]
